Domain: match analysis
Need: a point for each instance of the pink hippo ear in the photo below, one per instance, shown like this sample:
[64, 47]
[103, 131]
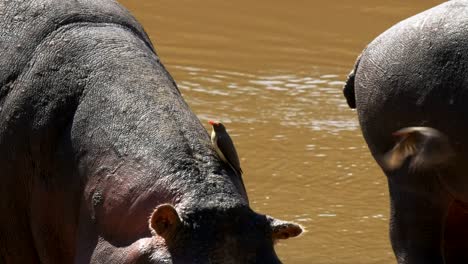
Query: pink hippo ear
[283, 230]
[164, 221]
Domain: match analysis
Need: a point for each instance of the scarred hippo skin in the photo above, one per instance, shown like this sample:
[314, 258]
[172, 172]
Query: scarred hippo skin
[101, 160]
[416, 74]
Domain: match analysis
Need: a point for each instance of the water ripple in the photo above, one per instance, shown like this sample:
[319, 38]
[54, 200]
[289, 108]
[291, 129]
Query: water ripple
[312, 101]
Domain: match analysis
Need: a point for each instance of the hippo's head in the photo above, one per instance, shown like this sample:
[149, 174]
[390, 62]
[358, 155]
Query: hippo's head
[235, 235]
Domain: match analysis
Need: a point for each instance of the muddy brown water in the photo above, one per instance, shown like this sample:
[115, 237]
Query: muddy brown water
[273, 71]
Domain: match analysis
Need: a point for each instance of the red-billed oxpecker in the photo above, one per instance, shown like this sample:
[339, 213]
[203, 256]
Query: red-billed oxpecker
[224, 146]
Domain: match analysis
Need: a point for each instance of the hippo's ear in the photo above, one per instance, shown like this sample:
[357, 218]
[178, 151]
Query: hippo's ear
[164, 221]
[283, 230]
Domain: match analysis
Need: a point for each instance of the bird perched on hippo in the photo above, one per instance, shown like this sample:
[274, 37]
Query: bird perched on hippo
[224, 146]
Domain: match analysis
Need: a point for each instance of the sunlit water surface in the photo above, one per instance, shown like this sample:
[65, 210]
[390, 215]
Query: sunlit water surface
[273, 72]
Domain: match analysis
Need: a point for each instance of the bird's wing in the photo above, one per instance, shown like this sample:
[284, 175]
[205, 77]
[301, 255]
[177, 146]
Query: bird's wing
[227, 147]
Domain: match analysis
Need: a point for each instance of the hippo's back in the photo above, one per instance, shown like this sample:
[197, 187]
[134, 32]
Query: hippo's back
[25, 24]
[416, 74]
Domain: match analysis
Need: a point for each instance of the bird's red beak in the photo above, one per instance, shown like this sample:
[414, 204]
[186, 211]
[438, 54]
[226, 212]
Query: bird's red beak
[212, 122]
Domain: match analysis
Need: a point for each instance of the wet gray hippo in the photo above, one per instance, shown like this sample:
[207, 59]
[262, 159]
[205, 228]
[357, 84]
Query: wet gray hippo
[101, 160]
[416, 74]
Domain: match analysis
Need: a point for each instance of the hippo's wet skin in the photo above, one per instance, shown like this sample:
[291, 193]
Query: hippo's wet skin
[101, 160]
[416, 74]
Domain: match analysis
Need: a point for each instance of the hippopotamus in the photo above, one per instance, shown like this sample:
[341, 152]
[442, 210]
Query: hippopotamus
[101, 159]
[415, 74]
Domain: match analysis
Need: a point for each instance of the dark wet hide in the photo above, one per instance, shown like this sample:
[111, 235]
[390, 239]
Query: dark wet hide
[456, 234]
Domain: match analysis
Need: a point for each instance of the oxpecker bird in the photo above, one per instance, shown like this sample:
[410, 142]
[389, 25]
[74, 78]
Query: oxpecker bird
[426, 146]
[224, 146]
